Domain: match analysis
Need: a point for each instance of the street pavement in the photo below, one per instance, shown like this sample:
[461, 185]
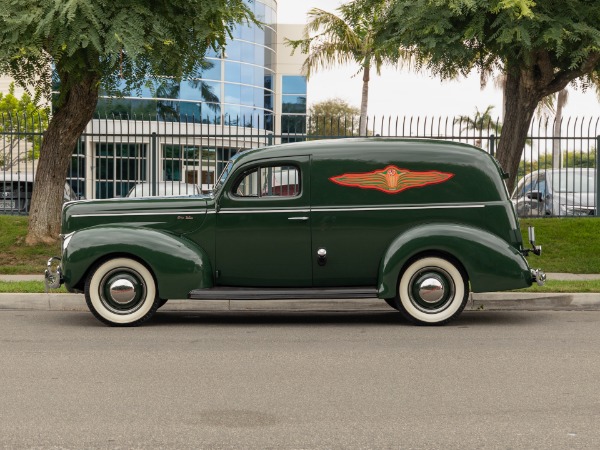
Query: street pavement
[291, 380]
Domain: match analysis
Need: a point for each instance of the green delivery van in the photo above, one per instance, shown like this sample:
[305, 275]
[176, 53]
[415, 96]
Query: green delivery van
[416, 223]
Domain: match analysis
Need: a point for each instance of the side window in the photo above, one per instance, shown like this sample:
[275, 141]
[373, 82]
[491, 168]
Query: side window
[247, 185]
[542, 187]
[274, 181]
[530, 186]
[280, 181]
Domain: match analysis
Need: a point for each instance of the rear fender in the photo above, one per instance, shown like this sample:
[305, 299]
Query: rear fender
[179, 266]
[491, 263]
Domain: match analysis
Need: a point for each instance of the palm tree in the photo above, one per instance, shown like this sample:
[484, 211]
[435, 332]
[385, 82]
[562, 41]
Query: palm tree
[480, 122]
[354, 35]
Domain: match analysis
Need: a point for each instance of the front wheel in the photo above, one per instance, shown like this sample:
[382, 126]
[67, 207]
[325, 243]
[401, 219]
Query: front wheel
[121, 292]
[432, 291]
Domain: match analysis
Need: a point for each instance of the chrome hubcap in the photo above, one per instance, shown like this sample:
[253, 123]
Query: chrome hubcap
[431, 290]
[122, 291]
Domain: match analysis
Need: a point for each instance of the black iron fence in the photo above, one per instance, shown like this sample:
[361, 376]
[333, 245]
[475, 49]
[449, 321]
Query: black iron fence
[119, 157]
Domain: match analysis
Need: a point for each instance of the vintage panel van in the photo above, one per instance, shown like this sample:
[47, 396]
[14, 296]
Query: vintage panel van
[416, 223]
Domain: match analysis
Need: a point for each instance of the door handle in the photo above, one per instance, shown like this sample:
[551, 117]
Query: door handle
[303, 218]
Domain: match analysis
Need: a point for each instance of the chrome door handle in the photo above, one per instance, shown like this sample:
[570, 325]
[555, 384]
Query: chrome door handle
[303, 218]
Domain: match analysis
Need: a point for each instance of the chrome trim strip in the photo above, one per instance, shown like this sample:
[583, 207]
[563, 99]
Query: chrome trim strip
[262, 211]
[396, 208]
[357, 208]
[154, 213]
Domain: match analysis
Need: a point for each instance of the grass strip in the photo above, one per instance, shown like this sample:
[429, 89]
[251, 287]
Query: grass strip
[576, 287]
[27, 287]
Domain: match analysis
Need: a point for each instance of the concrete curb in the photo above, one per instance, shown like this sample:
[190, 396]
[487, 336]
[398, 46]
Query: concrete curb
[486, 301]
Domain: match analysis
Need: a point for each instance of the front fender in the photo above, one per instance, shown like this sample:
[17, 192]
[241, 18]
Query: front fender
[491, 263]
[178, 265]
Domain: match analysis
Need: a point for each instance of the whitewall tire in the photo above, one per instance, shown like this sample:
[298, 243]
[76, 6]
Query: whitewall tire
[121, 292]
[432, 291]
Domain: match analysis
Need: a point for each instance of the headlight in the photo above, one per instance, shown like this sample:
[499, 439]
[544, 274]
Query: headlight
[574, 210]
[66, 240]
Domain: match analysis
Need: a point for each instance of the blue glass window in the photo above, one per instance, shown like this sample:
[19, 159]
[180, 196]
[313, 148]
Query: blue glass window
[294, 85]
[259, 11]
[247, 52]
[214, 72]
[233, 50]
[294, 104]
[247, 74]
[259, 55]
[247, 95]
[269, 102]
[233, 72]
[269, 82]
[200, 90]
[233, 93]
[248, 32]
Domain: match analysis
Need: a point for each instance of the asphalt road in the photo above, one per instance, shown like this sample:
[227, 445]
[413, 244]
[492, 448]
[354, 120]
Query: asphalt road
[300, 380]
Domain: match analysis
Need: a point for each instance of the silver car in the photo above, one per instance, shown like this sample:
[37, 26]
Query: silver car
[164, 189]
[556, 192]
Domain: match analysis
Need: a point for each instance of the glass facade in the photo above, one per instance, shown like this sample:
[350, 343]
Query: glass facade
[236, 89]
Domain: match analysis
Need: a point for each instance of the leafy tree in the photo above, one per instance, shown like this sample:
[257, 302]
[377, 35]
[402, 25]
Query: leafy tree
[21, 123]
[89, 44]
[333, 117]
[540, 46]
[354, 35]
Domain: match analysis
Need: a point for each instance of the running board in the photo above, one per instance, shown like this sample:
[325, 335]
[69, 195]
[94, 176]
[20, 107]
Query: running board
[232, 293]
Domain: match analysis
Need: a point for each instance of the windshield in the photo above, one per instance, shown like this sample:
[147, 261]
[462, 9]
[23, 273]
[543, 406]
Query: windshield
[579, 182]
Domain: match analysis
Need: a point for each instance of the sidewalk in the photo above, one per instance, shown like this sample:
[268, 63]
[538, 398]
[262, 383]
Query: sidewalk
[487, 301]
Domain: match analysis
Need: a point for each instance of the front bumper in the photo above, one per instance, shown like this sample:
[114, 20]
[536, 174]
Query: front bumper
[538, 276]
[52, 275]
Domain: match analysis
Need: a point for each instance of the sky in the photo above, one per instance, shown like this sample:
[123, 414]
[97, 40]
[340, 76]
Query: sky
[402, 93]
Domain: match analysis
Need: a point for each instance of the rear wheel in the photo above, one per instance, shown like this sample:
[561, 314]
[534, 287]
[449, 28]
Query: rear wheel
[432, 291]
[121, 292]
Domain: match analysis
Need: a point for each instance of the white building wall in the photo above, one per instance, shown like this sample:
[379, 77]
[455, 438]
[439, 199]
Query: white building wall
[287, 64]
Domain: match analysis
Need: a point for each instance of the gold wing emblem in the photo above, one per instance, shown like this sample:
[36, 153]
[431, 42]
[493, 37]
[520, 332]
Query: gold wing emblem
[391, 179]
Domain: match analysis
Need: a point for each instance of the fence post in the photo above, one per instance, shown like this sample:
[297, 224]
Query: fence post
[154, 164]
[492, 144]
[269, 139]
[597, 175]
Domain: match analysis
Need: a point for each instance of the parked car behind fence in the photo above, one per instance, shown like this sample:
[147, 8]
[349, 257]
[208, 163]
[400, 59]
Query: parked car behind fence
[164, 189]
[556, 192]
[16, 189]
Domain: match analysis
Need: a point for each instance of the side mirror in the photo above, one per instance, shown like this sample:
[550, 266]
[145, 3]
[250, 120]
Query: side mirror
[535, 195]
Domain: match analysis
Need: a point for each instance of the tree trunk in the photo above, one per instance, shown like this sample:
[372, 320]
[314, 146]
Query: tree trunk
[556, 143]
[521, 98]
[364, 101]
[55, 155]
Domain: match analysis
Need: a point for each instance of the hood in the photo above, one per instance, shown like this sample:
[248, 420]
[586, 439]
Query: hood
[178, 215]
